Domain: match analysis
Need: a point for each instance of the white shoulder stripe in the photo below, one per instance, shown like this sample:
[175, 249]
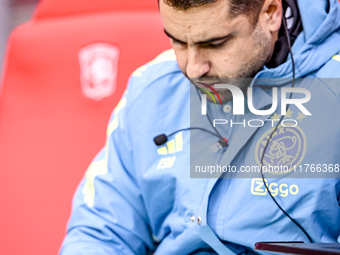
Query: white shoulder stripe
[168, 55]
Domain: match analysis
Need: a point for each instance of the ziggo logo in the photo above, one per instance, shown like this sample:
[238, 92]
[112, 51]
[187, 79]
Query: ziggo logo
[258, 188]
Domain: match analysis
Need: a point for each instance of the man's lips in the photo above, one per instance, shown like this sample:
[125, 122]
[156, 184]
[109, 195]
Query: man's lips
[212, 89]
[204, 85]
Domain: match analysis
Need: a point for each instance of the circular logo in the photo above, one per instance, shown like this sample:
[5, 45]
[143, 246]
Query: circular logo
[286, 149]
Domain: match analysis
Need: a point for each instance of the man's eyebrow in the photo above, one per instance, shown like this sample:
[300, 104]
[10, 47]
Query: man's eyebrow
[215, 39]
[172, 37]
[201, 42]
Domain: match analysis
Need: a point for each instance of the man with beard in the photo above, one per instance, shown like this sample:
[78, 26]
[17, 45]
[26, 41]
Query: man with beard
[140, 194]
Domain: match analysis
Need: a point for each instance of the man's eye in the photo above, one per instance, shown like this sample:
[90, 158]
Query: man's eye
[178, 43]
[216, 45]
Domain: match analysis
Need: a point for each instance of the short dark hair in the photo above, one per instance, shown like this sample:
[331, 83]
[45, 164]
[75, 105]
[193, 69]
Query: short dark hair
[251, 8]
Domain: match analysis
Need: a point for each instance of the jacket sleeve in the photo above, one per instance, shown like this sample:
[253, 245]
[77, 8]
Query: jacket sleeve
[108, 214]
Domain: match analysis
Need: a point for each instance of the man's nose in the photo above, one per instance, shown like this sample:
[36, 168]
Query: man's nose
[197, 65]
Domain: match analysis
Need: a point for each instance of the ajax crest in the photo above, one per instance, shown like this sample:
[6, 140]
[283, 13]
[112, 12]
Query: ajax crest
[98, 70]
[286, 149]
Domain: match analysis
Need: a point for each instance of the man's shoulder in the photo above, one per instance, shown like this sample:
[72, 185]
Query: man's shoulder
[163, 65]
[155, 78]
[329, 74]
[331, 69]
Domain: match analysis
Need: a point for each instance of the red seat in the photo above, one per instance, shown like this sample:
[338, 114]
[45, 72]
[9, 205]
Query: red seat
[54, 8]
[56, 98]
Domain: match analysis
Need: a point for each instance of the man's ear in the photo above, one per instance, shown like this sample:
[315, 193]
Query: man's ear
[271, 15]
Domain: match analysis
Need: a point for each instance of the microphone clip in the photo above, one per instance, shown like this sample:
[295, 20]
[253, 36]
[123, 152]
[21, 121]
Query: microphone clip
[223, 142]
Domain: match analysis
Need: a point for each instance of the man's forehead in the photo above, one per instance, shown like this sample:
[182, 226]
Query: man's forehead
[215, 8]
[202, 21]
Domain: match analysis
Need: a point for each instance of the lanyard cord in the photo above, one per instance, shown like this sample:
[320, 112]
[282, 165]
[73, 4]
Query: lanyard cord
[265, 148]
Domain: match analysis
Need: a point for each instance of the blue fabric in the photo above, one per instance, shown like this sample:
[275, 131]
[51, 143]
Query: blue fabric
[138, 198]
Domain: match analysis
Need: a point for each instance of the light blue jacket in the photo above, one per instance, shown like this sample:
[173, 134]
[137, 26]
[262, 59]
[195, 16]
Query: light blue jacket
[139, 198]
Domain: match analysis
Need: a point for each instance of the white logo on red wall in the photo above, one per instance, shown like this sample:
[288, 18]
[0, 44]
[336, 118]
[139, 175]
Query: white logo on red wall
[98, 70]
